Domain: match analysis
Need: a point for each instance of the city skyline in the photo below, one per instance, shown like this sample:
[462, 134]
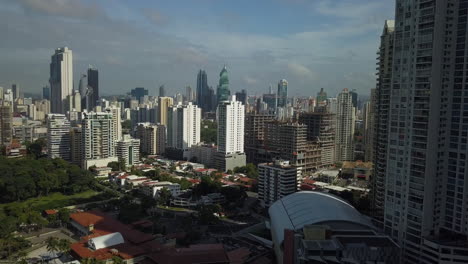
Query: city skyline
[168, 48]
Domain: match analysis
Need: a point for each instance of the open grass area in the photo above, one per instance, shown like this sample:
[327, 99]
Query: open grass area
[58, 200]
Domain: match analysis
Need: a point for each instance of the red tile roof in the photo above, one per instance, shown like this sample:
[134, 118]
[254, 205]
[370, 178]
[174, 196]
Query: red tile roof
[104, 224]
[51, 212]
[125, 251]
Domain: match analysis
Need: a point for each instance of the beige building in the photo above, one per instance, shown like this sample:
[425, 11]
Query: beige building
[164, 103]
[152, 138]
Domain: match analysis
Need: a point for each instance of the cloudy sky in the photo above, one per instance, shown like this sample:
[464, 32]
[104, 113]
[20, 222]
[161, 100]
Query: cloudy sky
[311, 43]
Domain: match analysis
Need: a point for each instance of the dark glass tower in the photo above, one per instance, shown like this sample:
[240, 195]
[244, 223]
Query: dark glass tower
[203, 96]
[46, 92]
[282, 93]
[162, 91]
[93, 82]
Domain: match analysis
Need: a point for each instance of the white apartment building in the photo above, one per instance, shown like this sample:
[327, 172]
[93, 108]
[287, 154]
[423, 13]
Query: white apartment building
[98, 140]
[116, 121]
[230, 117]
[58, 136]
[152, 138]
[183, 129]
[345, 123]
[277, 180]
[61, 80]
[128, 150]
[152, 188]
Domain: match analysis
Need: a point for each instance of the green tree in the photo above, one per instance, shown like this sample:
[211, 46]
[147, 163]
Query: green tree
[52, 244]
[164, 196]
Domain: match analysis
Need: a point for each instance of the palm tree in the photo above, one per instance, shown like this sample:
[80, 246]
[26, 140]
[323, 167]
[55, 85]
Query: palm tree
[52, 244]
[63, 245]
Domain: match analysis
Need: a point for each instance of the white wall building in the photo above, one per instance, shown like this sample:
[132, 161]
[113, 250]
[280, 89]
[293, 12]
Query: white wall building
[276, 180]
[152, 188]
[183, 128]
[58, 136]
[61, 80]
[345, 122]
[128, 149]
[116, 121]
[230, 116]
[98, 136]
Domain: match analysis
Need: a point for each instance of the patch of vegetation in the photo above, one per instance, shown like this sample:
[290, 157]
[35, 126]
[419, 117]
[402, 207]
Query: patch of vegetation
[209, 132]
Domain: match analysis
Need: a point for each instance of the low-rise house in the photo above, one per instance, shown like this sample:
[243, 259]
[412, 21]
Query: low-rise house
[152, 188]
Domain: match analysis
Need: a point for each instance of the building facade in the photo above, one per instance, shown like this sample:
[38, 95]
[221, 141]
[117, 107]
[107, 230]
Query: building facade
[183, 128]
[61, 80]
[98, 140]
[164, 103]
[128, 150]
[282, 94]
[223, 91]
[76, 151]
[277, 180]
[58, 136]
[254, 136]
[152, 138]
[93, 84]
[345, 123]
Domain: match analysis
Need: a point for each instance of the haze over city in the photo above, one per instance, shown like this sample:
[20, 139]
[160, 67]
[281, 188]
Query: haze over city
[312, 44]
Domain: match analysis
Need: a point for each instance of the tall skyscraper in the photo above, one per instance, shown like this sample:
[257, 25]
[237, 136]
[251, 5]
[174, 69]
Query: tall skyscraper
[242, 96]
[321, 97]
[230, 117]
[223, 91]
[16, 91]
[98, 136]
[58, 136]
[202, 91]
[6, 123]
[45, 92]
[162, 91]
[189, 95]
[183, 128]
[61, 80]
[345, 123]
[138, 93]
[354, 96]
[116, 121]
[426, 200]
[86, 94]
[93, 86]
[282, 94]
[163, 104]
[74, 101]
[152, 138]
[382, 108]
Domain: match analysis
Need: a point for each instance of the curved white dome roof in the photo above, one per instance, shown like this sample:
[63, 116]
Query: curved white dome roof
[308, 207]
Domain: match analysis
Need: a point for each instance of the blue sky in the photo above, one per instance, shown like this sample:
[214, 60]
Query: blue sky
[311, 43]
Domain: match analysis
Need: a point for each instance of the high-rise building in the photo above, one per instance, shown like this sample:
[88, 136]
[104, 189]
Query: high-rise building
[183, 126]
[277, 180]
[282, 94]
[138, 93]
[76, 151]
[288, 141]
[162, 91]
[254, 132]
[230, 117]
[242, 97]
[45, 92]
[203, 96]
[58, 136]
[116, 121]
[74, 101]
[86, 94]
[321, 97]
[16, 91]
[426, 200]
[368, 127]
[382, 110]
[163, 106]
[6, 124]
[93, 86]
[98, 140]
[321, 130]
[61, 80]
[345, 123]
[223, 91]
[189, 95]
[128, 150]
[152, 138]
[354, 96]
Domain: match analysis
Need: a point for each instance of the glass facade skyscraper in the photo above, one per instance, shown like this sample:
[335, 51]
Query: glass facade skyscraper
[282, 94]
[223, 91]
